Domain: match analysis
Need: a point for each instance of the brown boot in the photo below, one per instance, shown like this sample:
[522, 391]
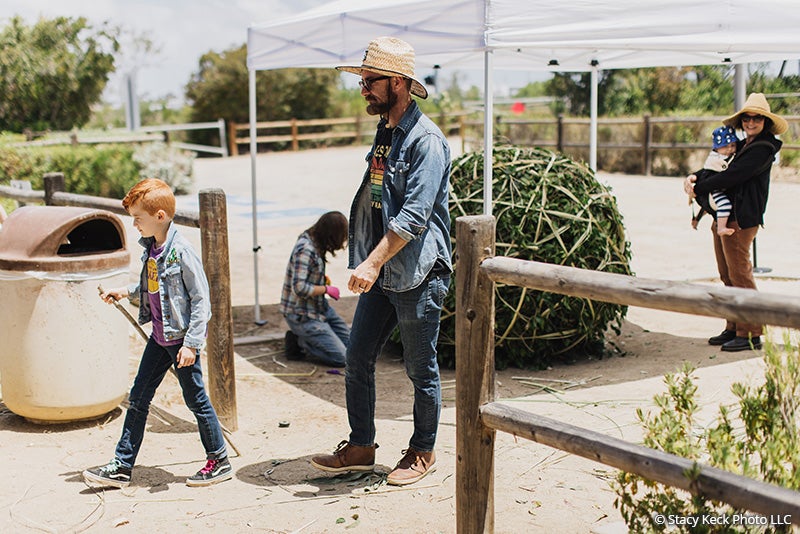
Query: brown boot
[347, 457]
[412, 466]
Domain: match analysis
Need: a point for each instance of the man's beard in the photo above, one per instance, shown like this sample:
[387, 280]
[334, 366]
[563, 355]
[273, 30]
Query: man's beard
[382, 108]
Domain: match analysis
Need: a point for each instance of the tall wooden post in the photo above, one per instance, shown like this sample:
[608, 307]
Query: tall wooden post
[475, 241]
[53, 183]
[560, 133]
[216, 261]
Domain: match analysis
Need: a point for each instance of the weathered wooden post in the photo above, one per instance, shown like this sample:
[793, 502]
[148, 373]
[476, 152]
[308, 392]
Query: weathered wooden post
[475, 241]
[216, 261]
[53, 183]
[560, 133]
[295, 141]
[233, 146]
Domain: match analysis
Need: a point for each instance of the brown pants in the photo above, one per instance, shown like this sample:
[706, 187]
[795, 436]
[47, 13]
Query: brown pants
[735, 269]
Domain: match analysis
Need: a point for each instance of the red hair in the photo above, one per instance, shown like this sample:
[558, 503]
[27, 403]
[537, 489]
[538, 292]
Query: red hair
[153, 195]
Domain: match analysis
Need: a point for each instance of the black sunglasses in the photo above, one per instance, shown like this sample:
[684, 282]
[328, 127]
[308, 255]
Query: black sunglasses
[366, 83]
[754, 118]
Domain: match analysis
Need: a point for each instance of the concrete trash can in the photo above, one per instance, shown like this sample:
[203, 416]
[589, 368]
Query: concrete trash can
[64, 352]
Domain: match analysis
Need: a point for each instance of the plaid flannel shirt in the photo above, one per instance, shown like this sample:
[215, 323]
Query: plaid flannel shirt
[304, 270]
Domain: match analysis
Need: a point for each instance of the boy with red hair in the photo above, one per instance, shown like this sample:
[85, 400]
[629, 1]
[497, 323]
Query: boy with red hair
[173, 295]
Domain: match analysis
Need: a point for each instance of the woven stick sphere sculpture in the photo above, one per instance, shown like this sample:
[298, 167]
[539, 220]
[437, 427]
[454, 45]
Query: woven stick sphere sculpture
[549, 209]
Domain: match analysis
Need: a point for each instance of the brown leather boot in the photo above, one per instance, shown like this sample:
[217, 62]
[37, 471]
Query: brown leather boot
[347, 457]
[412, 467]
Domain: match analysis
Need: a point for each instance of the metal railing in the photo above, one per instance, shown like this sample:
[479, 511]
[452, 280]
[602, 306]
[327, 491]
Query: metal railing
[145, 134]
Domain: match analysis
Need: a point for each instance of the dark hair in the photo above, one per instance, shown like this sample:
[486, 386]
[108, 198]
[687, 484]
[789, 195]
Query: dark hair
[329, 233]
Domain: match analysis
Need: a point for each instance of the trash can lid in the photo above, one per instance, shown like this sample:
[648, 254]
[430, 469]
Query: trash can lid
[62, 238]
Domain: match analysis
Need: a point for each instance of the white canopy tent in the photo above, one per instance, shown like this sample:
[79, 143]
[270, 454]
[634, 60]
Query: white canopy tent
[554, 35]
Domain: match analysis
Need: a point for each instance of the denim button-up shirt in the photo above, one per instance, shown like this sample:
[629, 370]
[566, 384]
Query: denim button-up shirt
[416, 184]
[182, 287]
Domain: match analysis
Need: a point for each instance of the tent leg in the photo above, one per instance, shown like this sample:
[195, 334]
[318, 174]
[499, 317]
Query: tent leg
[488, 132]
[254, 196]
[593, 120]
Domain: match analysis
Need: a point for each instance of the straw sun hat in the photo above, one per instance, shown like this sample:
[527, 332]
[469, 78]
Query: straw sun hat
[391, 57]
[757, 104]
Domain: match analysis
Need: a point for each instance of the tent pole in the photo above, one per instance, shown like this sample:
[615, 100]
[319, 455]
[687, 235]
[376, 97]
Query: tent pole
[488, 132]
[253, 194]
[593, 119]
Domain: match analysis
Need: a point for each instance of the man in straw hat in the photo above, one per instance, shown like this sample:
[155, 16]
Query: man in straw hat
[746, 181]
[400, 255]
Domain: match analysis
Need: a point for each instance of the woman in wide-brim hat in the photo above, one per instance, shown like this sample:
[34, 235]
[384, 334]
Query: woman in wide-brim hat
[757, 105]
[746, 181]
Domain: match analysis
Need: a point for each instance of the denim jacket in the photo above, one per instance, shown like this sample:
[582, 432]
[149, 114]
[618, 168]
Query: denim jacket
[183, 288]
[416, 185]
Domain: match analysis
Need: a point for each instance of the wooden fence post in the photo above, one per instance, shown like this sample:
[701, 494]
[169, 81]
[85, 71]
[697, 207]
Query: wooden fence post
[560, 133]
[233, 147]
[647, 139]
[357, 140]
[53, 183]
[295, 142]
[216, 261]
[475, 241]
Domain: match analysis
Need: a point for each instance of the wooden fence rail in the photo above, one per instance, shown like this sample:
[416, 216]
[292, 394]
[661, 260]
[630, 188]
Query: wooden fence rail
[293, 131]
[553, 133]
[478, 417]
[213, 224]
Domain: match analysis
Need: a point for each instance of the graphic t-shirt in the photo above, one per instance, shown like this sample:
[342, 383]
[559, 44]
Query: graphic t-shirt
[383, 144]
[156, 313]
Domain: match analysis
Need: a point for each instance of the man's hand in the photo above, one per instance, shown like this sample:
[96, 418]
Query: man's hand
[186, 356]
[363, 277]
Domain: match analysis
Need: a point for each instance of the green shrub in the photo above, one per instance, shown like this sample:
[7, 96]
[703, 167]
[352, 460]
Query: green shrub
[100, 170]
[550, 209]
[758, 438]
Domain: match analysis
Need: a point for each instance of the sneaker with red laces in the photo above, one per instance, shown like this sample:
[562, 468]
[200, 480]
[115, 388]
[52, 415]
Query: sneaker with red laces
[413, 466]
[215, 471]
[346, 458]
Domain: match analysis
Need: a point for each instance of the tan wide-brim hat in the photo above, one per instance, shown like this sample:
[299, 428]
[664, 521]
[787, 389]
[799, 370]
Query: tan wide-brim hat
[390, 56]
[757, 104]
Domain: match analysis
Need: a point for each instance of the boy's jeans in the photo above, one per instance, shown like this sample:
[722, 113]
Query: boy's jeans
[417, 313]
[155, 363]
[326, 340]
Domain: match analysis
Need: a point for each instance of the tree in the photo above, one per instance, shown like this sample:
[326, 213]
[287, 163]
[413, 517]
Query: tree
[574, 89]
[655, 90]
[52, 73]
[219, 89]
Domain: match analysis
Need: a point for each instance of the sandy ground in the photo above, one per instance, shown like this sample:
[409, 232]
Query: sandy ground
[537, 489]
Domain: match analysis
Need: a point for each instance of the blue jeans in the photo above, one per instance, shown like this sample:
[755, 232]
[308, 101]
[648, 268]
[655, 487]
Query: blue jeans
[417, 313]
[325, 340]
[156, 361]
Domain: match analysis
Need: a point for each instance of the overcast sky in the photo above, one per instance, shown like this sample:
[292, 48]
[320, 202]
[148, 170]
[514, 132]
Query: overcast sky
[184, 30]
